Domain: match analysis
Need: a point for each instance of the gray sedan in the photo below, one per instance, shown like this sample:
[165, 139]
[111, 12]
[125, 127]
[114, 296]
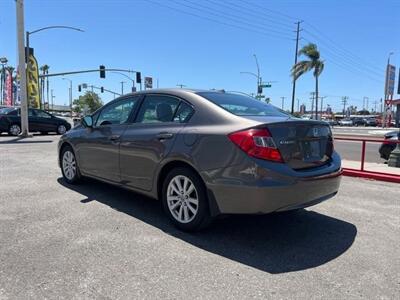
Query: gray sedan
[204, 153]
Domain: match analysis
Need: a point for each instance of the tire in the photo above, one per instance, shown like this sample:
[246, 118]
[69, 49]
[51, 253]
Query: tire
[69, 166]
[187, 211]
[386, 150]
[61, 129]
[14, 130]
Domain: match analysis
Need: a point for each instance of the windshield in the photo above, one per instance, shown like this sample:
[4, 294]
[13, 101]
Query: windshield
[242, 105]
[6, 110]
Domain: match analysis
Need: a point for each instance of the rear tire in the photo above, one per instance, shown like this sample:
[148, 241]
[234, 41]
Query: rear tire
[185, 201]
[61, 129]
[69, 166]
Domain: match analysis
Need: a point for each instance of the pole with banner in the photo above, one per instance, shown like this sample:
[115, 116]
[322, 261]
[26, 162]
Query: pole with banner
[389, 91]
[148, 83]
[8, 88]
[33, 82]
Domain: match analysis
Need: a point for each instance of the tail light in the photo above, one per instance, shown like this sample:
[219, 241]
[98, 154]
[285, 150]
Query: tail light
[257, 143]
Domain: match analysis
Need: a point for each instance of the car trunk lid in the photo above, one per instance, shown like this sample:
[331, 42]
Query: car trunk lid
[302, 144]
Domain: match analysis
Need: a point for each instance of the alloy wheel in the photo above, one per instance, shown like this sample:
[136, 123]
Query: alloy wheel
[15, 129]
[61, 129]
[182, 199]
[69, 165]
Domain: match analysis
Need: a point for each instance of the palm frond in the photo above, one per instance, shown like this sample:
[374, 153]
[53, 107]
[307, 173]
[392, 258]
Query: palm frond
[300, 68]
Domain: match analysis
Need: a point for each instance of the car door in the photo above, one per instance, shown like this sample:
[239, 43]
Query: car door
[42, 121]
[147, 141]
[98, 148]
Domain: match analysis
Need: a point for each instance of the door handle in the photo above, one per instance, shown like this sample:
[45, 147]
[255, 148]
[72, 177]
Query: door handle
[114, 137]
[164, 135]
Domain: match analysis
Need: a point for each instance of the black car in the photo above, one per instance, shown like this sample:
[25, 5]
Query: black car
[39, 120]
[364, 122]
[389, 144]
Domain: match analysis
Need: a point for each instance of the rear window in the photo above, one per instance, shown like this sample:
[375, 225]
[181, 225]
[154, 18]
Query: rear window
[242, 105]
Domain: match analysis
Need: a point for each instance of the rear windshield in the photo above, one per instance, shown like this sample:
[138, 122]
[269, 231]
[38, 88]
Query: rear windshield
[242, 105]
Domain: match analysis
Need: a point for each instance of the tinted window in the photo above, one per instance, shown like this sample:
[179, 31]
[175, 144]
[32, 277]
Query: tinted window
[6, 110]
[157, 109]
[241, 105]
[183, 113]
[42, 114]
[18, 112]
[116, 113]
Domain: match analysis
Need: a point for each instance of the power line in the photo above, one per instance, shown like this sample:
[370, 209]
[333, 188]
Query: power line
[220, 14]
[271, 11]
[346, 64]
[337, 46]
[254, 13]
[218, 21]
[347, 57]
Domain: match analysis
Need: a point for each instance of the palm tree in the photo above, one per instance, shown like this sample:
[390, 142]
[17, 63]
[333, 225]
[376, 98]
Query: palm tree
[314, 63]
[45, 70]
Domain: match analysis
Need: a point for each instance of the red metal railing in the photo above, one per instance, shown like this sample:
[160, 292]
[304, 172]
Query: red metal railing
[365, 173]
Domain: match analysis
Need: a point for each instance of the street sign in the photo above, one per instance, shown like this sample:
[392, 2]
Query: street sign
[260, 96]
[266, 85]
[148, 82]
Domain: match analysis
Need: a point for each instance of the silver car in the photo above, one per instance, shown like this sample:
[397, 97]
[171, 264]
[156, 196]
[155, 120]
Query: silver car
[204, 153]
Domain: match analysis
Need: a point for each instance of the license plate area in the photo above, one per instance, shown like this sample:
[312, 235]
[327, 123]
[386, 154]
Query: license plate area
[311, 150]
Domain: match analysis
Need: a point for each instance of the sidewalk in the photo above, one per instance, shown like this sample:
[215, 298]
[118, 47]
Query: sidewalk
[371, 167]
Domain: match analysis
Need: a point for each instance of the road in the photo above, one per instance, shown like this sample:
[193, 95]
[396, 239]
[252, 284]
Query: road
[349, 150]
[97, 241]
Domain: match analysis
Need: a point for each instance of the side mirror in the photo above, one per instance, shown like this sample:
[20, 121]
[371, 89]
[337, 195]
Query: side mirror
[87, 121]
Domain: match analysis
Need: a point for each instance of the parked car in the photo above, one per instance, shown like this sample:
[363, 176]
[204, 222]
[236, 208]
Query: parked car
[39, 120]
[364, 122]
[389, 144]
[346, 122]
[204, 153]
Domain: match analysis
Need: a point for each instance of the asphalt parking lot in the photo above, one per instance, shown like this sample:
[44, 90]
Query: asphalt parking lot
[97, 241]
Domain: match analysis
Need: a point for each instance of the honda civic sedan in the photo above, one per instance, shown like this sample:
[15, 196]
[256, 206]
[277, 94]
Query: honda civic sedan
[204, 153]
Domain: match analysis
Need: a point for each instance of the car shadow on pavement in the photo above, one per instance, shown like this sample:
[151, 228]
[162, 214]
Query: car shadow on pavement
[274, 243]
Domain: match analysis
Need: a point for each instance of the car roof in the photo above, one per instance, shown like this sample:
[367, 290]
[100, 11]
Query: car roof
[174, 91]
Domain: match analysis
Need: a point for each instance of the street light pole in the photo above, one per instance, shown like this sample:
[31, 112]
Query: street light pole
[21, 66]
[133, 81]
[122, 87]
[258, 75]
[70, 94]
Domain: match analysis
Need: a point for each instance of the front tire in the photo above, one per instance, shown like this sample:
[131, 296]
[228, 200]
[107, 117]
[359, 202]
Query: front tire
[69, 166]
[184, 200]
[14, 130]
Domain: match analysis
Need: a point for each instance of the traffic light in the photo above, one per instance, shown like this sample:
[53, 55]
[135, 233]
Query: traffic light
[102, 71]
[101, 89]
[138, 77]
[79, 88]
[260, 89]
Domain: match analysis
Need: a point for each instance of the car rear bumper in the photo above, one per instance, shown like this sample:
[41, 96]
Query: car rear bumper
[272, 191]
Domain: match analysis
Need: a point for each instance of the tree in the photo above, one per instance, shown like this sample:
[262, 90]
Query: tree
[313, 63]
[45, 70]
[87, 103]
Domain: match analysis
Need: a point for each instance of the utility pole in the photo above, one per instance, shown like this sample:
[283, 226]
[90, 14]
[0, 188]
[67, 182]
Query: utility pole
[122, 87]
[344, 102]
[295, 62]
[322, 103]
[283, 102]
[21, 67]
[312, 103]
[52, 100]
[298, 105]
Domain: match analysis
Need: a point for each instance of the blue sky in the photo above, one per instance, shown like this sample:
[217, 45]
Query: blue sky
[207, 43]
